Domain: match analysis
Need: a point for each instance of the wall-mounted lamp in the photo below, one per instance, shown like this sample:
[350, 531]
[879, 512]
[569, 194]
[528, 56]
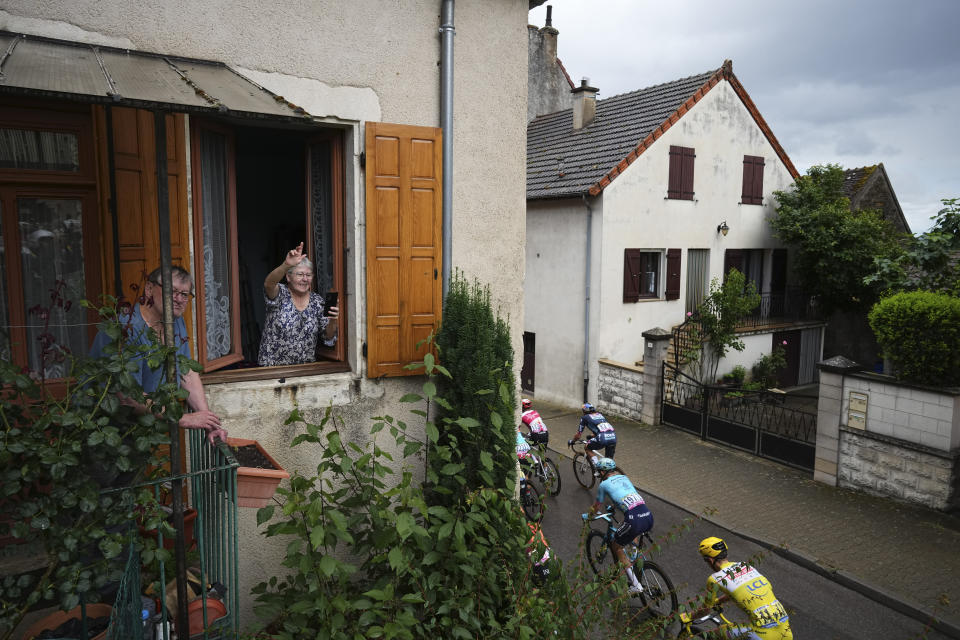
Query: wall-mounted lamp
[723, 228]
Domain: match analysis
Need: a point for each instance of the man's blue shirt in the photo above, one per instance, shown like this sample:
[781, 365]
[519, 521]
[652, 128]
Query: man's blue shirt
[149, 379]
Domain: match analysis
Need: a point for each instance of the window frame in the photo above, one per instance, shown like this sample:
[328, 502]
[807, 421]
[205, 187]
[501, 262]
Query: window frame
[340, 363]
[632, 285]
[52, 184]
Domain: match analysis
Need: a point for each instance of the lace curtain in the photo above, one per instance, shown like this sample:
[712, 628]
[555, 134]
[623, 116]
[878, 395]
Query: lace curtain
[51, 252]
[216, 273]
[321, 204]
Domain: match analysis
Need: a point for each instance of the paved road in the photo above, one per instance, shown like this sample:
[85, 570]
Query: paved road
[819, 608]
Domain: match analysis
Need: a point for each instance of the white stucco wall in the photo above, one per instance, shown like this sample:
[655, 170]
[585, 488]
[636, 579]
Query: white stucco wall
[554, 292]
[633, 212]
[349, 62]
[638, 215]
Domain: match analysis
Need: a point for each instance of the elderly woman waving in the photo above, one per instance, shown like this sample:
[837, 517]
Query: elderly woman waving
[295, 314]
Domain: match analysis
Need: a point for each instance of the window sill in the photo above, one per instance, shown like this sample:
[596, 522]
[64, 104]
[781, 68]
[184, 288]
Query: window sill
[273, 373]
[647, 299]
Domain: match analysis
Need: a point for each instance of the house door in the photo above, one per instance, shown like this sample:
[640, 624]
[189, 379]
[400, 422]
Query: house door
[789, 375]
[698, 277]
[529, 361]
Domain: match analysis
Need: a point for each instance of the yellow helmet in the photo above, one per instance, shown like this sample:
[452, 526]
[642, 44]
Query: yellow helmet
[713, 547]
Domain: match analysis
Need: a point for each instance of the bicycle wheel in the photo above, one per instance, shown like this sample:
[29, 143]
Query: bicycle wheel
[599, 555]
[658, 594]
[531, 501]
[552, 484]
[583, 471]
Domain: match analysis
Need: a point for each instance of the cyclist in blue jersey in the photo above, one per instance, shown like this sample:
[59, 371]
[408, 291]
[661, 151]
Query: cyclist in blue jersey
[604, 437]
[637, 518]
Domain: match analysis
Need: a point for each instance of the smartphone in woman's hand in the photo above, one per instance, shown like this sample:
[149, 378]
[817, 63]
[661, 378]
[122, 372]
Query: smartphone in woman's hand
[330, 300]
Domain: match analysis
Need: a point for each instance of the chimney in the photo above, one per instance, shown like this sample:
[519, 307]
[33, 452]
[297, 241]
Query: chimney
[584, 104]
[549, 35]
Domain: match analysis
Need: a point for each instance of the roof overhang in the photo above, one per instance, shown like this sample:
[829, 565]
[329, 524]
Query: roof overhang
[36, 66]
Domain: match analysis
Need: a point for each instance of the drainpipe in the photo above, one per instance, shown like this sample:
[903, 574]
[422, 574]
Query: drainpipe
[586, 306]
[446, 124]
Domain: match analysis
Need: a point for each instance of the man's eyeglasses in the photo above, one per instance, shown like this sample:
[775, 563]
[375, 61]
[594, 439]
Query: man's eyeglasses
[177, 294]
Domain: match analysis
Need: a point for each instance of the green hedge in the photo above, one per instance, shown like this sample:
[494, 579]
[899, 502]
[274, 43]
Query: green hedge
[920, 332]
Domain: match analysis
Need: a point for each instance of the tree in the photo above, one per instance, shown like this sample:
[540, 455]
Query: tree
[717, 319]
[834, 247]
[930, 262]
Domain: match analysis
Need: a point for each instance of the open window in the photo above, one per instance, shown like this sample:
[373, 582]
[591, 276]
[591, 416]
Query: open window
[259, 192]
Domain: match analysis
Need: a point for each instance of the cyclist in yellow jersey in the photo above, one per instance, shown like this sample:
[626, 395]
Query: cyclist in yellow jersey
[750, 590]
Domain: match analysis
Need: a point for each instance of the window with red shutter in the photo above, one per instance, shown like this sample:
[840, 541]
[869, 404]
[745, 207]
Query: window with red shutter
[641, 274]
[752, 180]
[680, 181]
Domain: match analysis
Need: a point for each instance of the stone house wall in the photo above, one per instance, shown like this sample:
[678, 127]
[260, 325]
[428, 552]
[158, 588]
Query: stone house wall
[620, 389]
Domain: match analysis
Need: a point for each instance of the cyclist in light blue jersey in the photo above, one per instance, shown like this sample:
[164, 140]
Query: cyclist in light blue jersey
[637, 518]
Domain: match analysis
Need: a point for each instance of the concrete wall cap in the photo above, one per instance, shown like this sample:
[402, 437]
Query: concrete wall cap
[657, 334]
[839, 364]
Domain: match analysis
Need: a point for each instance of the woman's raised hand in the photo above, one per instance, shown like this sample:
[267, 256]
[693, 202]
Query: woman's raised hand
[294, 256]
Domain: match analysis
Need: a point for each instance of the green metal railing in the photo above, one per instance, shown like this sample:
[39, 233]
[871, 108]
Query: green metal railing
[212, 482]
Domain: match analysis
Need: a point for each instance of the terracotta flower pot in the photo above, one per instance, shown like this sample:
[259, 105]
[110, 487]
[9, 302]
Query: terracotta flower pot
[256, 486]
[57, 618]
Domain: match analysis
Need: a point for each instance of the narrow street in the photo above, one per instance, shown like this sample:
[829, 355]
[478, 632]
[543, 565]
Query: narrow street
[819, 608]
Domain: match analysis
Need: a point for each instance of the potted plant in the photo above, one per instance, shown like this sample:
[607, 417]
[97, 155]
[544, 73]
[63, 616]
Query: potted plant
[98, 618]
[258, 475]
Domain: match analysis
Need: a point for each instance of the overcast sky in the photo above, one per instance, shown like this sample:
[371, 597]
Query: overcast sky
[851, 82]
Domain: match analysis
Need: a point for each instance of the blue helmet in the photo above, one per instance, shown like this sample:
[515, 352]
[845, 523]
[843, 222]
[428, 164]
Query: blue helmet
[588, 408]
[605, 464]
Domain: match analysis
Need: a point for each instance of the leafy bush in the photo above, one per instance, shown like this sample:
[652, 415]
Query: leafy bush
[920, 332]
[60, 449]
[369, 557]
[767, 366]
[474, 346]
[736, 375]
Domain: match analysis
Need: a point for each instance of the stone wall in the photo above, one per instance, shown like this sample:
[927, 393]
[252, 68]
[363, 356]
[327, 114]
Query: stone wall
[620, 389]
[888, 437]
[887, 466]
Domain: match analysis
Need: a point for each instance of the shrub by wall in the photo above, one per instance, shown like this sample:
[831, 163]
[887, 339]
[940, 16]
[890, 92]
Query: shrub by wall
[919, 332]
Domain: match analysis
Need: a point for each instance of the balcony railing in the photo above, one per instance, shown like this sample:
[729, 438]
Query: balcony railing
[212, 484]
[781, 308]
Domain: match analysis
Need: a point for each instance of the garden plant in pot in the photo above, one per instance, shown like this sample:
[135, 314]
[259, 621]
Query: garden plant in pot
[258, 475]
[67, 452]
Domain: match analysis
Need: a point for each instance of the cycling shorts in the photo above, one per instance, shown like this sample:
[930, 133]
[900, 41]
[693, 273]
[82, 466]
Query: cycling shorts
[539, 438]
[609, 445]
[635, 521]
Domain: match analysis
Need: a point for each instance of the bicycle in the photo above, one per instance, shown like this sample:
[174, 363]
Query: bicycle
[583, 469]
[545, 470]
[694, 627]
[657, 592]
[531, 501]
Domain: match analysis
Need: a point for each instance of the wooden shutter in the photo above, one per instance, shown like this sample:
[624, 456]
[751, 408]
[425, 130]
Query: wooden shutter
[752, 180]
[135, 169]
[680, 182]
[676, 168]
[403, 192]
[672, 291]
[732, 259]
[632, 267]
